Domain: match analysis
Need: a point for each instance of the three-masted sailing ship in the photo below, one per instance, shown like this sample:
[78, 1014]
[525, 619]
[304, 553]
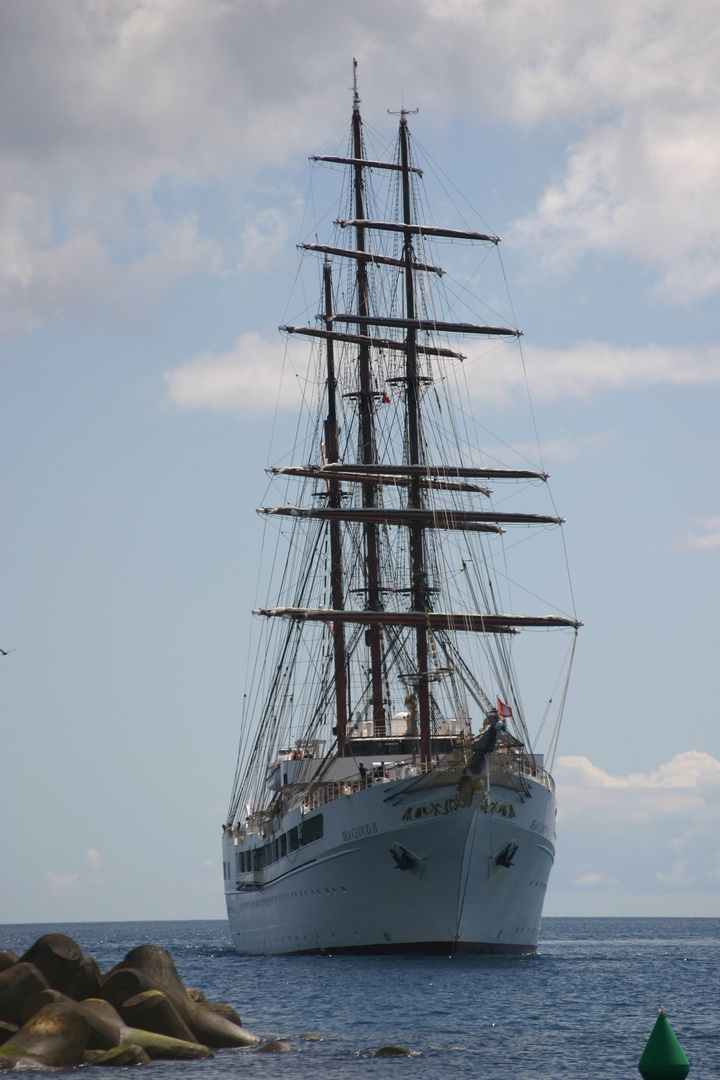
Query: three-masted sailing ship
[388, 796]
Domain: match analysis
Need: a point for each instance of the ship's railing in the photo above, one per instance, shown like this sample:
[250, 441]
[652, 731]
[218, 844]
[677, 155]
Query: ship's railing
[522, 765]
[258, 822]
[534, 771]
[327, 793]
[500, 762]
[518, 764]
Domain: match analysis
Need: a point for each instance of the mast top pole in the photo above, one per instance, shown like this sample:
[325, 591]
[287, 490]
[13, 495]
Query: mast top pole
[356, 96]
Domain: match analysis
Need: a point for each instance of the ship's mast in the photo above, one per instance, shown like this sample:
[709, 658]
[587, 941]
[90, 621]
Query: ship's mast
[373, 497]
[418, 584]
[365, 413]
[414, 483]
[332, 455]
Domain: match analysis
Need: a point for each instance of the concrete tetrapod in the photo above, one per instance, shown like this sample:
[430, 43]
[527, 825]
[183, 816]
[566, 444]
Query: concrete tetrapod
[157, 966]
[153, 1010]
[126, 1054]
[98, 1010]
[59, 1008]
[221, 1009]
[122, 983]
[216, 1031]
[163, 1047]
[17, 984]
[154, 1045]
[6, 1030]
[208, 1027]
[663, 1057]
[154, 969]
[7, 959]
[104, 1033]
[65, 966]
[56, 1036]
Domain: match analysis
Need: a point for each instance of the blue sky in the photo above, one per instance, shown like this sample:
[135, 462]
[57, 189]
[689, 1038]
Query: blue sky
[153, 183]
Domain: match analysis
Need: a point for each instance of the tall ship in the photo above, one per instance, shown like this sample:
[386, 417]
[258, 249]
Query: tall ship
[389, 796]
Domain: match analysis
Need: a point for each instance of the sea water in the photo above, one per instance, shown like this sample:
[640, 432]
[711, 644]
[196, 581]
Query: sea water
[583, 1006]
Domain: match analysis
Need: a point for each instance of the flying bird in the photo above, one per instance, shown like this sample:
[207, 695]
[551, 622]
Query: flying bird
[6, 652]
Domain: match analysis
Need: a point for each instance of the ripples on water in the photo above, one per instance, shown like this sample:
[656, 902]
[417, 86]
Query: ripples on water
[582, 1007]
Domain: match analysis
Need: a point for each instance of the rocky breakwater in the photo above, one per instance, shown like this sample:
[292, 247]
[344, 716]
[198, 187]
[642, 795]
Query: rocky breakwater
[57, 1010]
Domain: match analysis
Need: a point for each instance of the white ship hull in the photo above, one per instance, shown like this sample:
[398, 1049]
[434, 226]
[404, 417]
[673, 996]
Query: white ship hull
[346, 893]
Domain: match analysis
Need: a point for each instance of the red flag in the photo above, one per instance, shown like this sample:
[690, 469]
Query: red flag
[328, 624]
[386, 399]
[503, 709]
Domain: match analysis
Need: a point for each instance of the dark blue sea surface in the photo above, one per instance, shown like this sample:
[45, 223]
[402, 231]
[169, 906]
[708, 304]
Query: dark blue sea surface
[583, 1006]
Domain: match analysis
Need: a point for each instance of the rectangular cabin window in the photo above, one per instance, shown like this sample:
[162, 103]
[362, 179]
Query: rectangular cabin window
[312, 829]
[258, 858]
[293, 841]
[277, 850]
[283, 845]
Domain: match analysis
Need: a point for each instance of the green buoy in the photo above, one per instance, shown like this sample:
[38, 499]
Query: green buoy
[663, 1057]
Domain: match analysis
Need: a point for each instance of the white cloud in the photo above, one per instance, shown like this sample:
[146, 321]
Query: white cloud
[676, 875]
[591, 367]
[646, 187]
[566, 447]
[592, 877]
[59, 884]
[691, 769]
[643, 831]
[43, 274]
[560, 448]
[120, 114]
[133, 107]
[254, 378]
[264, 238]
[644, 180]
[705, 537]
